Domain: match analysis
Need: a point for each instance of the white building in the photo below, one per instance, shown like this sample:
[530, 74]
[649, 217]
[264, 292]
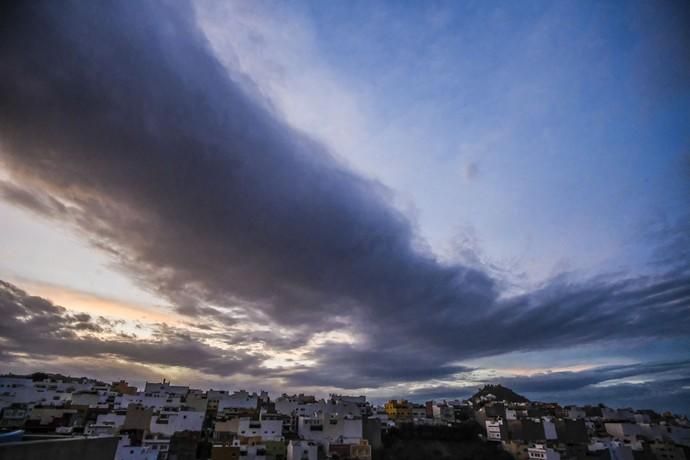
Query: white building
[166, 389]
[382, 416]
[326, 429]
[494, 430]
[575, 412]
[86, 398]
[541, 452]
[289, 404]
[57, 393]
[106, 424]
[443, 412]
[626, 432]
[160, 446]
[617, 450]
[238, 400]
[17, 390]
[269, 430]
[156, 401]
[348, 403]
[641, 418]
[305, 406]
[127, 452]
[168, 423]
[549, 428]
[418, 414]
[46, 393]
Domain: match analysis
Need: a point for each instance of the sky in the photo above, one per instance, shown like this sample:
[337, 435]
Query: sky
[397, 199]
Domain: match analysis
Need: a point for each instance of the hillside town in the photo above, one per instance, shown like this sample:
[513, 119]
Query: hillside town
[163, 421]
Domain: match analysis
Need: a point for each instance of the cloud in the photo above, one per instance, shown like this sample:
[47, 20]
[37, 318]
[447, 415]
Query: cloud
[42, 204]
[351, 367]
[441, 393]
[661, 386]
[120, 120]
[77, 300]
[36, 327]
[658, 385]
[550, 382]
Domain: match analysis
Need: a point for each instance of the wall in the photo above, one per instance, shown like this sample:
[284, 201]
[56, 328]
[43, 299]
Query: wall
[177, 421]
[61, 449]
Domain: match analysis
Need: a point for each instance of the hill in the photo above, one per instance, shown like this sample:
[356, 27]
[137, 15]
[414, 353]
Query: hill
[41, 376]
[500, 393]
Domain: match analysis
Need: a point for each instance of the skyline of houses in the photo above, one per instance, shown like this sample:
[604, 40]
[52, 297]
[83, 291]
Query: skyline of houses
[174, 422]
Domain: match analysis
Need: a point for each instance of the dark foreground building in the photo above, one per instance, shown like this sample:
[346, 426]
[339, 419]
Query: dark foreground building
[59, 448]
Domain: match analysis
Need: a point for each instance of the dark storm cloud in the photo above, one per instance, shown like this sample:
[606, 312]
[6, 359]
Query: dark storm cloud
[440, 393]
[669, 395]
[565, 313]
[118, 118]
[37, 327]
[40, 203]
[567, 381]
[177, 168]
[345, 366]
[659, 385]
[672, 395]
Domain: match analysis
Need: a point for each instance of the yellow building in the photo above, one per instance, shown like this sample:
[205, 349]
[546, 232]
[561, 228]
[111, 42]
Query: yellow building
[399, 410]
[361, 451]
[123, 388]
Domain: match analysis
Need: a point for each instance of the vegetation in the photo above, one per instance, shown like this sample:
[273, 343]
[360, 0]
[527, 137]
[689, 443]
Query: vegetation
[459, 441]
[500, 392]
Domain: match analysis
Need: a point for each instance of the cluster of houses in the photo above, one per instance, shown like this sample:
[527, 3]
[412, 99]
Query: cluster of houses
[539, 431]
[170, 422]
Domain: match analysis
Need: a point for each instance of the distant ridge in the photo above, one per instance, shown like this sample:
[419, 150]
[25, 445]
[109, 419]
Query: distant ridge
[41, 376]
[500, 393]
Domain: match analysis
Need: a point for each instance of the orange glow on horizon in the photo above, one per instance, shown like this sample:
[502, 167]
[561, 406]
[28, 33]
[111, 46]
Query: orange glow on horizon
[97, 305]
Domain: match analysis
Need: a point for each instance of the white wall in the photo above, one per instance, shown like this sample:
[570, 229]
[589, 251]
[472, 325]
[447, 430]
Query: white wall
[166, 389]
[549, 429]
[86, 399]
[111, 418]
[152, 400]
[238, 400]
[542, 453]
[333, 428]
[177, 421]
[127, 452]
[493, 430]
[269, 430]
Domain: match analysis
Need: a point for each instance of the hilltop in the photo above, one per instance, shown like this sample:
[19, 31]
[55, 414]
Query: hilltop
[43, 376]
[500, 393]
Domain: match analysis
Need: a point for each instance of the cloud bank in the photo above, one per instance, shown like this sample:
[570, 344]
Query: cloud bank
[36, 327]
[119, 120]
